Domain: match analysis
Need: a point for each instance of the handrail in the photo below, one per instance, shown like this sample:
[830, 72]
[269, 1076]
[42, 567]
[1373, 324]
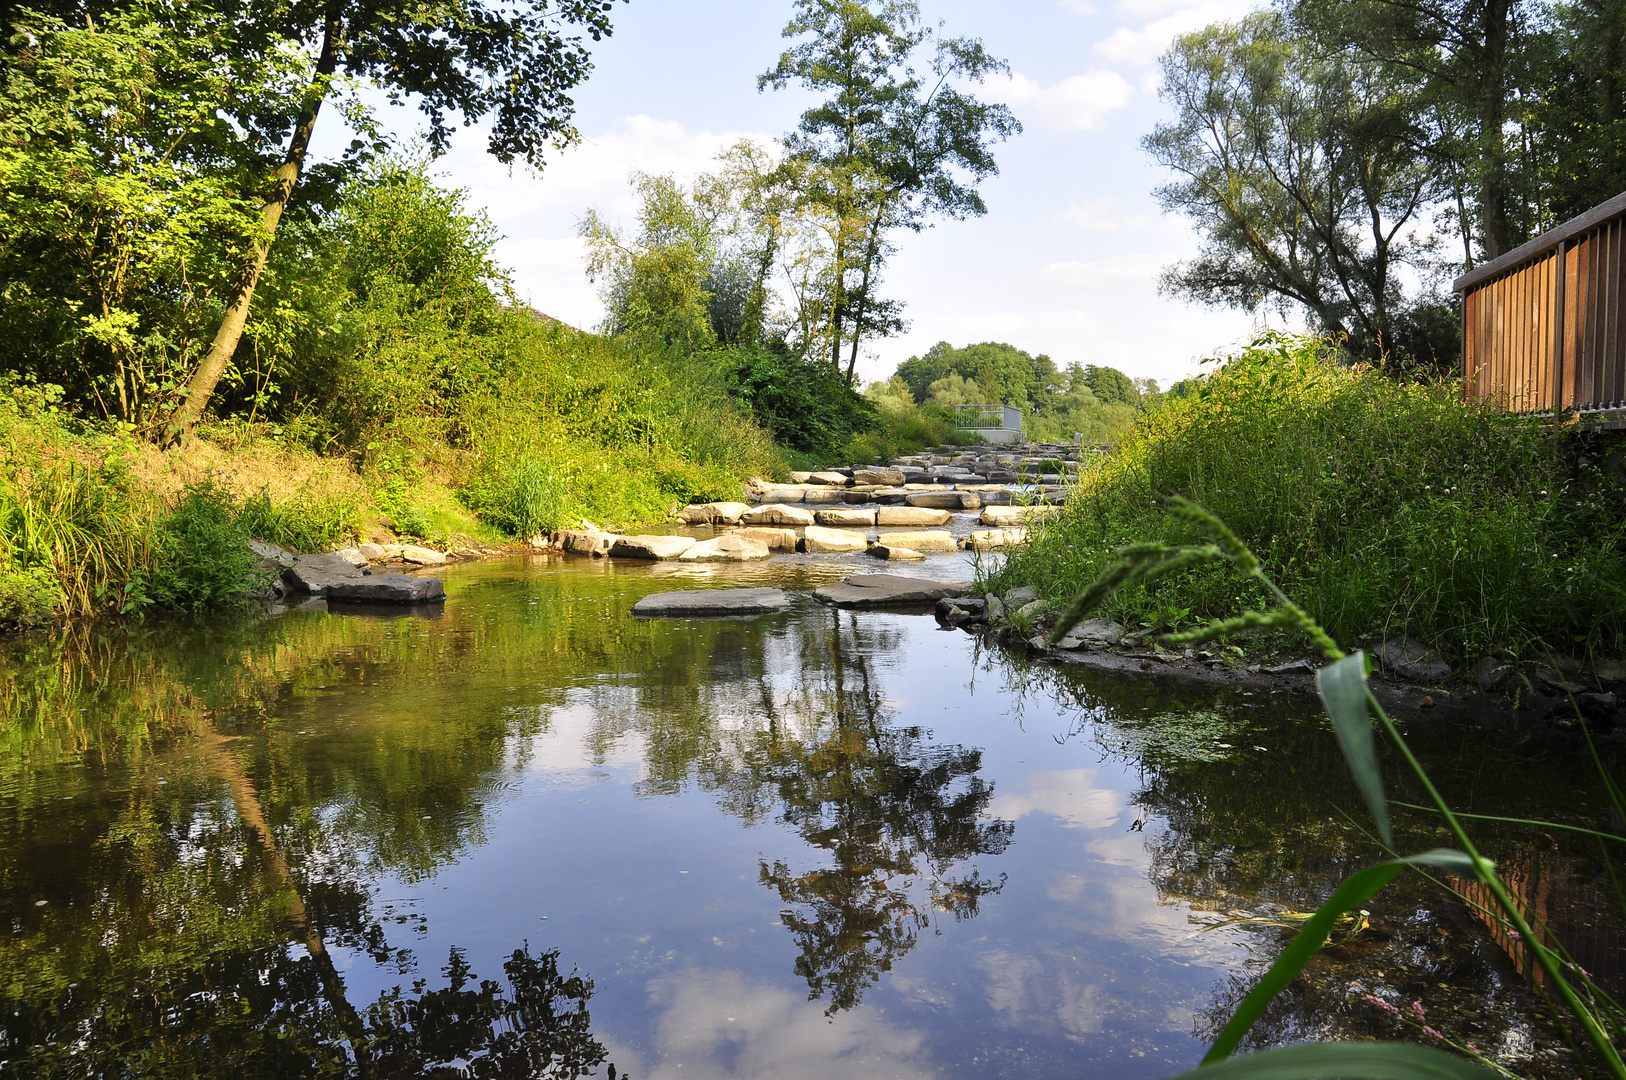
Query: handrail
[1542, 244]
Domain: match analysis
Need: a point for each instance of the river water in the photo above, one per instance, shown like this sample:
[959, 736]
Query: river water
[530, 835]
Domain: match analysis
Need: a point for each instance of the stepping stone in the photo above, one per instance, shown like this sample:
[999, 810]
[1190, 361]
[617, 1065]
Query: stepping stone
[782, 495]
[987, 539]
[776, 539]
[388, 589]
[824, 495]
[713, 513]
[421, 556]
[911, 515]
[697, 602]
[816, 540]
[834, 479]
[873, 475]
[937, 500]
[777, 514]
[888, 591]
[929, 540]
[844, 517]
[895, 554]
[730, 548]
[651, 547]
[999, 516]
[315, 574]
[584, 541]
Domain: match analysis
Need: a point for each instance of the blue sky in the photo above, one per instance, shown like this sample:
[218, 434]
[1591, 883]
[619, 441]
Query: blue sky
[1066, 260]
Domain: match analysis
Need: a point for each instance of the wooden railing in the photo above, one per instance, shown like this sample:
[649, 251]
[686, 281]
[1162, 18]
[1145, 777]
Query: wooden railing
[1542, 325]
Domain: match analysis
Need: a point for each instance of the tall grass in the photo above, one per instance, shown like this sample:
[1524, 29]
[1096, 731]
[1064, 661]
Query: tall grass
[1388, 508]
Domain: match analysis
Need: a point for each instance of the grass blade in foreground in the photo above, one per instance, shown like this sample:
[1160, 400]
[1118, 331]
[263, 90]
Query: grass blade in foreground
[1355, 889]
[1344, 1061]
[1343, 691]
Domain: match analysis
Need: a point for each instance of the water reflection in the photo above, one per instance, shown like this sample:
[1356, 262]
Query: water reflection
[235, 847]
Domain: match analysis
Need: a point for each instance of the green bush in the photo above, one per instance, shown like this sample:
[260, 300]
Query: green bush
[522, 498]
[1388, 507]
[805, 406]
[29, 597]
[201, 557]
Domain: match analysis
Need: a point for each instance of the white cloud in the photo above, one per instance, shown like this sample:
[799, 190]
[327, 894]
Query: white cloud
[714, 1024]
[1079, 103]
[1068, 794]
[1134, 48]
[1103, 215]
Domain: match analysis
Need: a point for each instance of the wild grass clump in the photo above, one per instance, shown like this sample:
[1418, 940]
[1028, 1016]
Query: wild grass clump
[1388, 507]
[200, 554]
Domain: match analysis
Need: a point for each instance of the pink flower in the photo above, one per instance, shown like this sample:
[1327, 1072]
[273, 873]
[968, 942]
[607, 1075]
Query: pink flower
[1380, 1003]
[1431, 1033]
[1417, 1007]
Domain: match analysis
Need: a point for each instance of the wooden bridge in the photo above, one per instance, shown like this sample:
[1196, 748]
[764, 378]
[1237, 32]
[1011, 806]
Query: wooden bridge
[1542, 325]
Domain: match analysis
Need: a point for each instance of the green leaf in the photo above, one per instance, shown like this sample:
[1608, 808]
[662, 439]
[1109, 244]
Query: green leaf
[1355, 890]
[1345, 1061]
[1343, 691]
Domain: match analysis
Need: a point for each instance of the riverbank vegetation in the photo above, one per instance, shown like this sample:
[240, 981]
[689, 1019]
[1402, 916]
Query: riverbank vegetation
[1384, 507]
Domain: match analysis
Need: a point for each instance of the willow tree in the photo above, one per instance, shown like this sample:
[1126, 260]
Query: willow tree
[512, 63]
[891, 148]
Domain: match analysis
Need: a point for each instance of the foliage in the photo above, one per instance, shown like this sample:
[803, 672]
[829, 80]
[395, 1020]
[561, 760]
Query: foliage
[1390, 508]
[201, 557]
[801, 403]
[1351, 705]
[889, 149]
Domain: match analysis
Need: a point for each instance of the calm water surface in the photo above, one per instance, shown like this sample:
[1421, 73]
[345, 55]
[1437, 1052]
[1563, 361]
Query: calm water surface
[530, 835]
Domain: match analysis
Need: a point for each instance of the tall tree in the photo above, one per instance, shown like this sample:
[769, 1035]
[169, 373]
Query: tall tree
[889, 149]
[514, 63]
[1305, 170]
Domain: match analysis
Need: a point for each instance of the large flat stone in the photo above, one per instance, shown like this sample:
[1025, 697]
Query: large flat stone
[315, 574]
[388, 589]
[651, 547]
[693, 602]
[713, 513]
[777, 514]
[924, 540]
[422, 556]
[834, 479]
[987, 539]
[730, 548]
[911, 515]
[776, 539]
[816, 540]
[824, 495]
[888, 591]
[877, 475]
[894, 554]
[1001, 516]
[945, 500]
[845, 516]
[782, 495]
[584, 541]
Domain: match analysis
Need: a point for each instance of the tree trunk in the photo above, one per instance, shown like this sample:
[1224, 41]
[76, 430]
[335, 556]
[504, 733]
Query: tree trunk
[202, 384]
[1496, 233]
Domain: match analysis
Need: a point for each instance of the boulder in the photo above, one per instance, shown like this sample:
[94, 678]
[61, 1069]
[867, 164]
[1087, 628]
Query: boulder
[421, 556]
[693, 602]
[713, 513]
[1411, 660]
[584, 541]
[875, 474]
[353, 556]
[888, 591]
[1021, 595]
[939, 500]
[834, 479]
[999, 516]
[374, 552]
[782, 495]
[816, 540]
[272, 554]
[925, 540]
[800, 477]
[988, 539]
[730, 548]
[889, 496]
[777, 514]
[911, 515]
[650, 547]
[314, 574]
[894, 554]
[775, 539]
[914, 474]
[855, 498]
[844, 517]
[1491, 673]
[824, 496]
[388, 589]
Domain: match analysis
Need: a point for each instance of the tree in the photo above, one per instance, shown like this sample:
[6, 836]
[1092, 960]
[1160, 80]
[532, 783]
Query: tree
[516, 64]
[1306, 171]
[886, 151]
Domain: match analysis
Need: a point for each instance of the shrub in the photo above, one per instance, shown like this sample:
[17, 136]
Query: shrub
[805, 406]
[29, 597]
[522, 498]
[201, 554]
[1389, 507]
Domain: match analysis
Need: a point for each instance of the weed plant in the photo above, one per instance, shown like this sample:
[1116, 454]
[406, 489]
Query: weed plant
[1590, 1017]
[1387, 507]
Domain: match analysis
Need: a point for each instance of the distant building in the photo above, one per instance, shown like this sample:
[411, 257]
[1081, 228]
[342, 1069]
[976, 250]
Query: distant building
[994, 423]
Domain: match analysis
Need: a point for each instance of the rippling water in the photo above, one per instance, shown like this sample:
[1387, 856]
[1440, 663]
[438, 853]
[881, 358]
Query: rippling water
[530, 835]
